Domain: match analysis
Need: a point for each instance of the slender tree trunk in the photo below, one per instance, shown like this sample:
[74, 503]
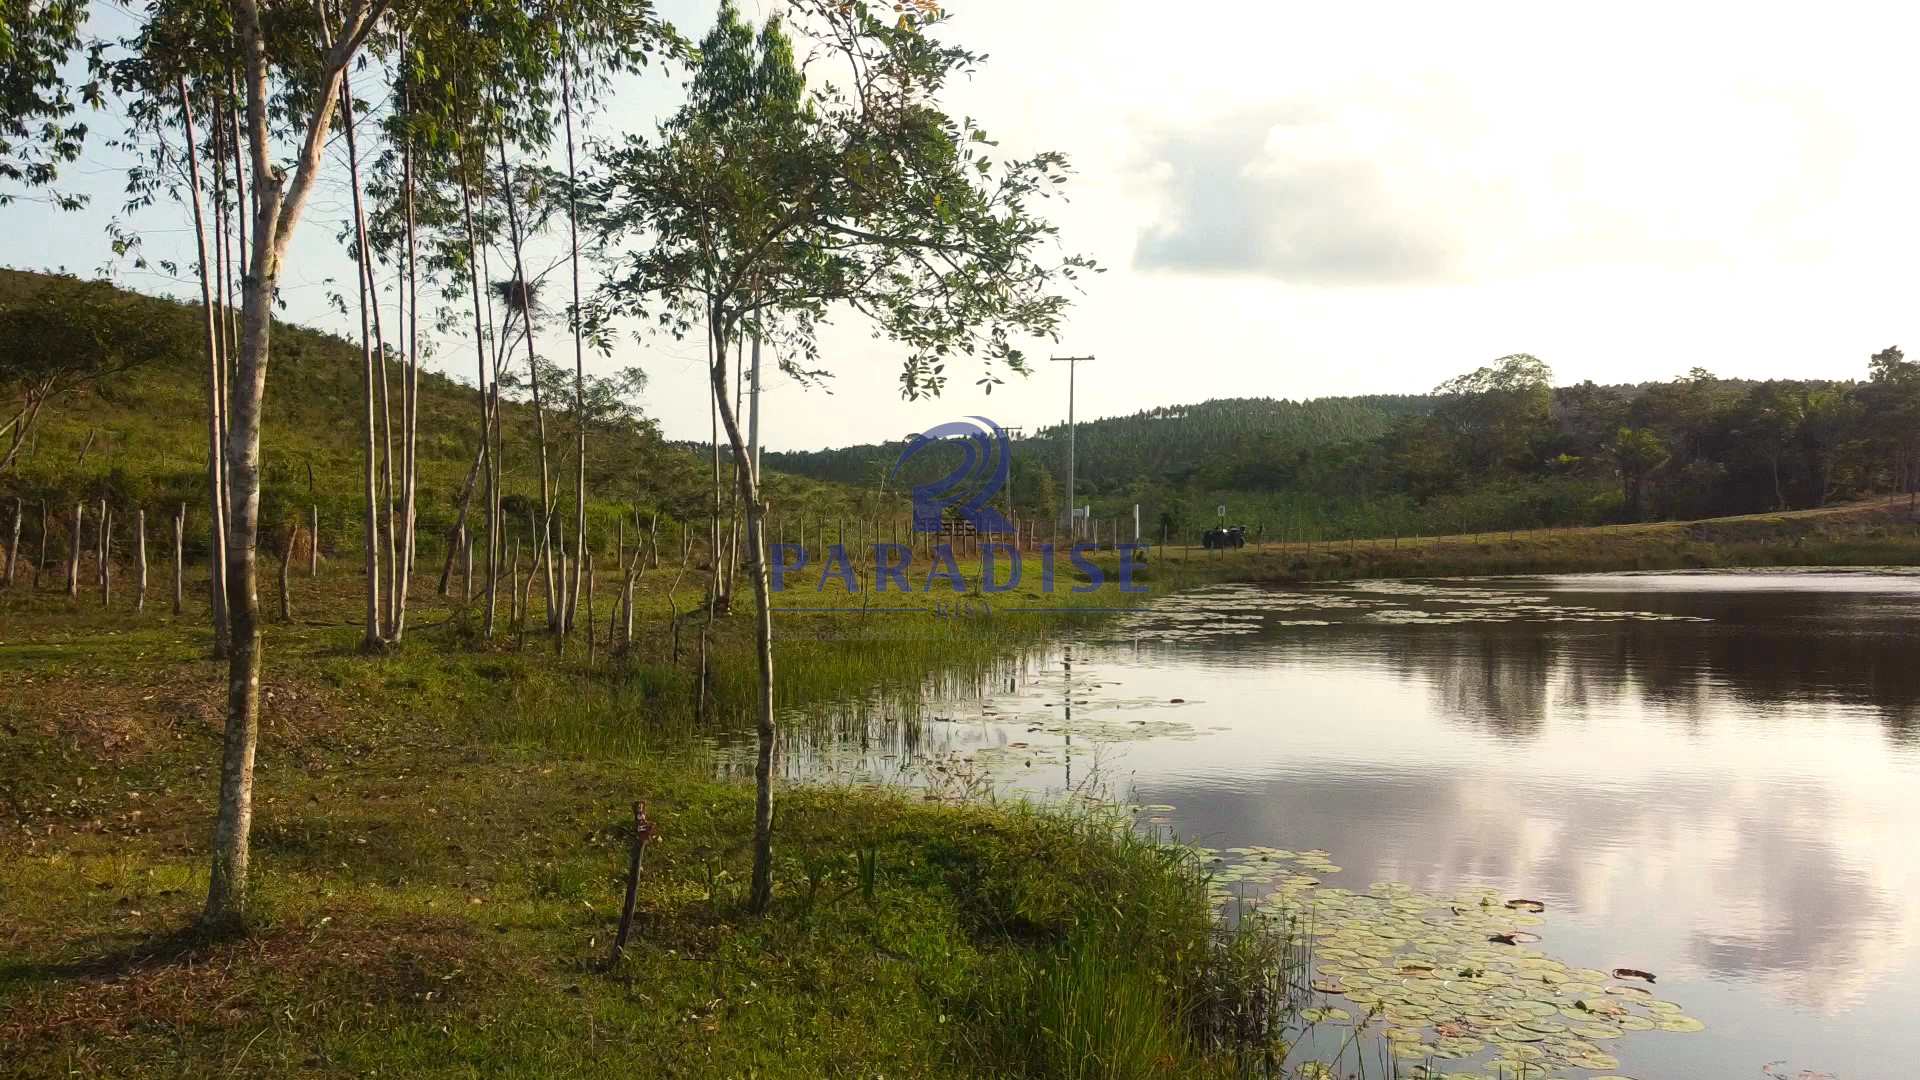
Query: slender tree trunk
[216, 401]
[179, 560]
[513, 586]
[579, 346]
[556, 600]
[560, 618]
[410, 396]
[277, 204]
[313, 538]
[375, 631]
[40, 557]
[586, 559]
[140, 556]
[486, 413]
[466, 568]
[760, 893]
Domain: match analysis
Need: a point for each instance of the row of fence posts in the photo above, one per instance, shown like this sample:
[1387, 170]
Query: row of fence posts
[107, 544]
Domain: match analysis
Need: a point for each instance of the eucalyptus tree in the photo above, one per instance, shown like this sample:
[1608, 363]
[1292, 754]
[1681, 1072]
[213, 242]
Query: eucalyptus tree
[492, 80]
[770, 200]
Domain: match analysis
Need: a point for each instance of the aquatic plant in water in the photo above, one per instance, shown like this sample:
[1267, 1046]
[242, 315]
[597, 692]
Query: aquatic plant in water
[1435, 977]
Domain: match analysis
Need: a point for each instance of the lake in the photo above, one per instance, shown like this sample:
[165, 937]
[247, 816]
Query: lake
[1712, 777]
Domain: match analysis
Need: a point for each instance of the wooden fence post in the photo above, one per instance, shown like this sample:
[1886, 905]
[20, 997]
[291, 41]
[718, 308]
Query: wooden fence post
[106, 554]
[313, 534]
[140, 547]
[40, 557]
[286, 558]
[73, 553]
[100, 547]
[179, 547]
[13, 549]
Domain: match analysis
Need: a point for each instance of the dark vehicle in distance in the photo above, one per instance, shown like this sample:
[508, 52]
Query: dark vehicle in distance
[1224, 536]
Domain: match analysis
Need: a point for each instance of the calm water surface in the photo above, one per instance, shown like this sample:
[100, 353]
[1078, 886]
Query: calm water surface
[1711, 776]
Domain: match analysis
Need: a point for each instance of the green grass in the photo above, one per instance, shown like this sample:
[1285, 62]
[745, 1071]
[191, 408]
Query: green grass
[439, 843]
[1883, 532]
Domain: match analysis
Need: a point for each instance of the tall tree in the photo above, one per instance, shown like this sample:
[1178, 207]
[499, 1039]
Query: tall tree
[761, 205]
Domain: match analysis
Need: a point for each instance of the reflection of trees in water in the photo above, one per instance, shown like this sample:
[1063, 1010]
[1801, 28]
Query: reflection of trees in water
[1764, 650]
[1496, 676]
[1777, 649]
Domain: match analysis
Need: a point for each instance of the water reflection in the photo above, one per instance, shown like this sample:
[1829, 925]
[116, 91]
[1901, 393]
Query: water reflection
[1708, 776]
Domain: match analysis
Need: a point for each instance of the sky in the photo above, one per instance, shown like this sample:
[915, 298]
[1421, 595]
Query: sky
[1297, 201]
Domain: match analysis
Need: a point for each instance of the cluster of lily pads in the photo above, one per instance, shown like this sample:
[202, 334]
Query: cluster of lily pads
[1230, 610]
[1451, 984]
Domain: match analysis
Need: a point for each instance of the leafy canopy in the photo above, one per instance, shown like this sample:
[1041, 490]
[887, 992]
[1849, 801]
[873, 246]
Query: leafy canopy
[771, 197]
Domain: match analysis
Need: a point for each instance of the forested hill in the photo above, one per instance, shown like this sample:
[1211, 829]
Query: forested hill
[1495, 448]
[130, 423]
[1175, 443]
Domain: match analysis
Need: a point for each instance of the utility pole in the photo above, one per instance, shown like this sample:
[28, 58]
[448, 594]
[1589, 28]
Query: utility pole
[1073, 363]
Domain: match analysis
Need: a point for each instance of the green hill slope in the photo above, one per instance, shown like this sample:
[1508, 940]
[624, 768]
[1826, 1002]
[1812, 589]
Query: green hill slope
[139, 437]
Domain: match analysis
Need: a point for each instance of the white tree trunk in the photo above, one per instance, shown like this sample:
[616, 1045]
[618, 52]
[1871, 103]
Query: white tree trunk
[277, 205]
[216, 400]
[760, 893]
[375, 631]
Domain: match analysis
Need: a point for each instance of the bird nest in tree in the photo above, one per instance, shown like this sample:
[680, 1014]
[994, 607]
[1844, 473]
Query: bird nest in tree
[521, 296]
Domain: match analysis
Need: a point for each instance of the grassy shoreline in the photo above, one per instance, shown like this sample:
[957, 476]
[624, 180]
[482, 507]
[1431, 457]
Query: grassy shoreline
[439, 844]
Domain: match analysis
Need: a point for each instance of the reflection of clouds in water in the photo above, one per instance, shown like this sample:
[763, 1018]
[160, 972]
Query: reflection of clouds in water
[1712, 886]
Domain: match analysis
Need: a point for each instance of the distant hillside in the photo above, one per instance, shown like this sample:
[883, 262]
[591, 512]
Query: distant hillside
[139, 438]
[1496, 448]
[1169, 445]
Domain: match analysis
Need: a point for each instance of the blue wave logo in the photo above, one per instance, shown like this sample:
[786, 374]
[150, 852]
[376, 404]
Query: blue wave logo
[980, 475]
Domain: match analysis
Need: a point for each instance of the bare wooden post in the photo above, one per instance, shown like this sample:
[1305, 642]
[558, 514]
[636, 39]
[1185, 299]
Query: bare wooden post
[286, 559]
[313, 534]
[106, 554]
[40, 557]
[179, 546]
[13, 549]
[636, 855]
[73, 552]
[100, 547]
[140, 548]
[653, 538]
[466, 565]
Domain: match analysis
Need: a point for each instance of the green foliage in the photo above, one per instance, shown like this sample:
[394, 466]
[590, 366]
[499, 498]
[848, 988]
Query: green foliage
[756, 206]
[1493, 449]
[38, 134]
[144, 429]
